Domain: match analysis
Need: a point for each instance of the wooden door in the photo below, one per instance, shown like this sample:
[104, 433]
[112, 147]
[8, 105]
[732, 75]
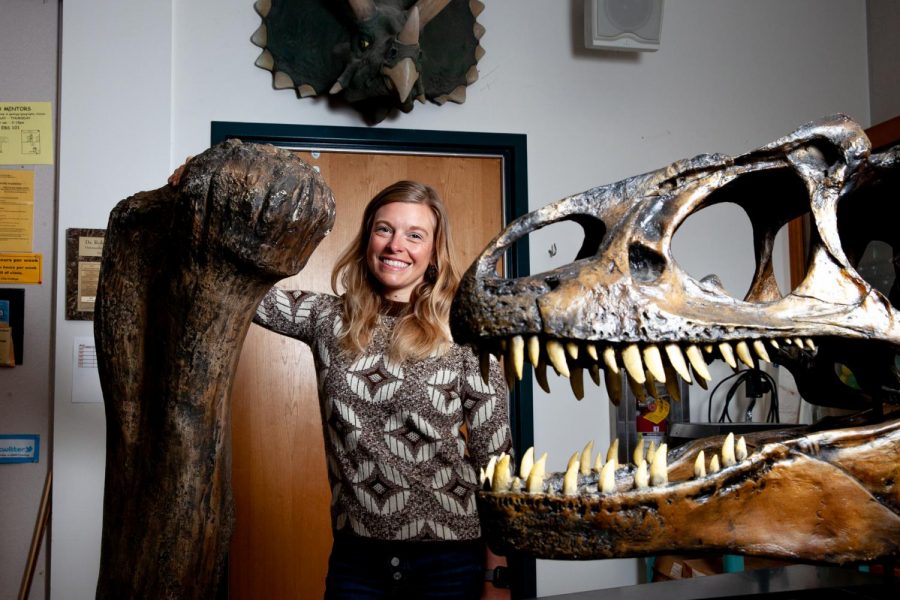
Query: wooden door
[283, 538]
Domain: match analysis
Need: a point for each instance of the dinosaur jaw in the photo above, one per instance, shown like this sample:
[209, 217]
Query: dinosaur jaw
[625, 304]
[836, 493]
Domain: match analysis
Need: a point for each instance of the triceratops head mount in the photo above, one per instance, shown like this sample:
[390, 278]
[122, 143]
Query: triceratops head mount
[626, 304]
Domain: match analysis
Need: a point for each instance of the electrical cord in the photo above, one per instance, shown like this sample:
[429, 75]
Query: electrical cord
[757, 382]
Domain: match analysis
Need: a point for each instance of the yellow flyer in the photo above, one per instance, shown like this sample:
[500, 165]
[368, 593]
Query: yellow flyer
[26, 133]
[21, 268]
[16, 210]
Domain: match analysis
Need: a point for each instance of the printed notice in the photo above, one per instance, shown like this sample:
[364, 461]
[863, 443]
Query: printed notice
[26, 130]
[21, 268]
[90, 246]
[85, 377]
[16, 210]
[19, 448]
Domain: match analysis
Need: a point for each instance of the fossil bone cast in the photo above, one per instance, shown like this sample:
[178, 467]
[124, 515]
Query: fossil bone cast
[625, 303]
[378, 55]
[182, 272]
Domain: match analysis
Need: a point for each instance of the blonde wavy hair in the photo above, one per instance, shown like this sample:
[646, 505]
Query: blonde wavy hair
[425, 328]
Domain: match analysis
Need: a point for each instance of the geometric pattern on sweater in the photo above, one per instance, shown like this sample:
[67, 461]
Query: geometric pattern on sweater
[399, 466]
[455, 491]
[409, 436]
[444, 396]
[381, 488]
[374, 378]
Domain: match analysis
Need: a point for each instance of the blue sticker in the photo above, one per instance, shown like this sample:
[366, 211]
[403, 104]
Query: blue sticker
[19, 448]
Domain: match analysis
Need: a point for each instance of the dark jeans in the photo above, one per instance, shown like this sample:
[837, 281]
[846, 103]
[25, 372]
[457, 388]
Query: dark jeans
[367, 568]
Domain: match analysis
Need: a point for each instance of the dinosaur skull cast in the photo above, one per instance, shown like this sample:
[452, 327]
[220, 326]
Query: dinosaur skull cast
[625, 303]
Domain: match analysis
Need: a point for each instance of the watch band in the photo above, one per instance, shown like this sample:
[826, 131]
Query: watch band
[498, 576]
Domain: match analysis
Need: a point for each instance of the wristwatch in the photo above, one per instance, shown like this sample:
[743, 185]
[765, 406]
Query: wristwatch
[498, 577]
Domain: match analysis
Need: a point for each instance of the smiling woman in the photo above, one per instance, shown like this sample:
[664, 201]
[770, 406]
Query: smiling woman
[408, 417]
[283, 534]
[400, 248]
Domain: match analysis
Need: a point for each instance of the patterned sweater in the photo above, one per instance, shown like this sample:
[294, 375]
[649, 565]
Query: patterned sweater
[399, 466]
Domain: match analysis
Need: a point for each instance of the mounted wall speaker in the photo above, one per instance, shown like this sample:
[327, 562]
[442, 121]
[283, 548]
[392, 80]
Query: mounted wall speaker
[623, 25]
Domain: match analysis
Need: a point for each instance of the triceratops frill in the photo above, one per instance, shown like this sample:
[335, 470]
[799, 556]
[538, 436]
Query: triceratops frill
[625, 303]
[378, 55]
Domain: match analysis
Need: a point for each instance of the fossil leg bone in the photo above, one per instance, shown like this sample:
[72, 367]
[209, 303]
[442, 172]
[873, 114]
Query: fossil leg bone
[182, 272]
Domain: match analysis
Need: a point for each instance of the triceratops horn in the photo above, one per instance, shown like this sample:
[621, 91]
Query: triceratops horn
[409, 35]
[363, 9]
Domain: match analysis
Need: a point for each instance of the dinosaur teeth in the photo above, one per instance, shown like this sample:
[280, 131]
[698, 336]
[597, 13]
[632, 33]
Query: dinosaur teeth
[740, 449]
[640, 394]
[489, 469]
[534, 484]
[608, 478]
[760, 350]
[646, 365]
[654, 362]
[586, 458]
[540, 374]
[576, 379]
[534, 350]
[672, 386]
[613, 386]
[659, 473]
[700, 465]
[638, 454]
[612, 455]
[598, 462]
[631, 358]
[743, 353]
[502, 478]
[527, 463]
[517, 355]
[651, 452]
[728, 457]
[652, 471]
[557, 357]
[641, 476]
[727, 354]
[695, 356]
[676, 357]
[570, 479]
[609, 359]
[573, 460]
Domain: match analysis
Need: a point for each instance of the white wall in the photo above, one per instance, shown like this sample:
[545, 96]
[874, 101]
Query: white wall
[115, 125]
[884, 55]
[730, 75]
